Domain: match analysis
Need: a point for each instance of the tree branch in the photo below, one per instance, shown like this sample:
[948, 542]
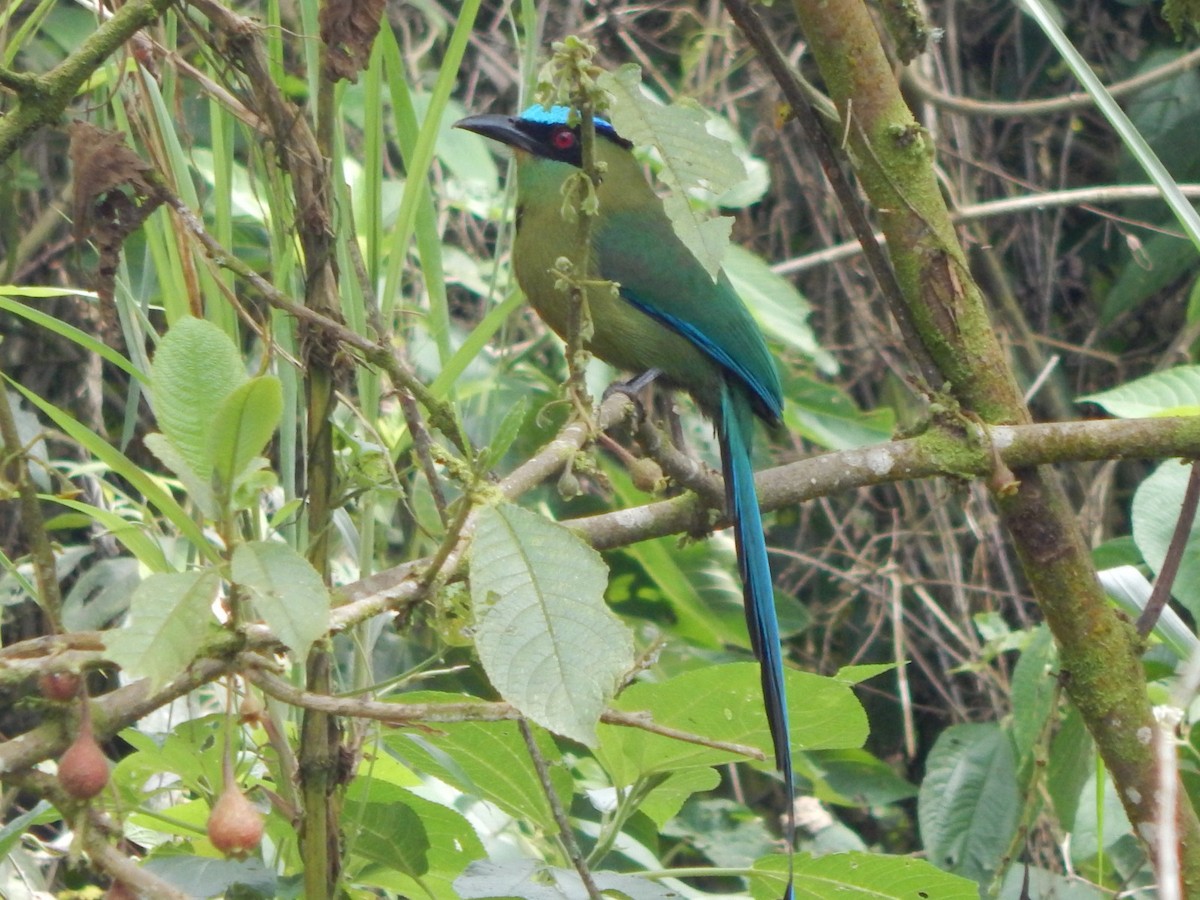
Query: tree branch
[41, 101]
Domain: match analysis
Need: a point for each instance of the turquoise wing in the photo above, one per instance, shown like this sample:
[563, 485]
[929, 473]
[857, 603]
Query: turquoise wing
[659, 276]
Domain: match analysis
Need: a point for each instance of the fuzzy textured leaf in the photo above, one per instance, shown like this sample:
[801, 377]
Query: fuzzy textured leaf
[546, 639]
[168, 613]
[287, 591]
[195, 369]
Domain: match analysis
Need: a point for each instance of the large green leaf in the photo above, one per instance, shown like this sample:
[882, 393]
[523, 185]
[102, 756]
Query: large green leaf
[488, 760]
[287, 591]
[530, 880]
[968, 804]
[416, 847]
[195, 369]
[1175, 392]
[859, 876]
[168, 617]
[546, 639]
[724, 703]
[824, 414]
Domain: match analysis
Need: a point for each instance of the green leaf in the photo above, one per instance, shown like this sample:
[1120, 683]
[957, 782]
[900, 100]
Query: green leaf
[854, 777]
[1156, 507]
[13, 830]
[724, 703]
[506, 433]
[864, 672]
[691, 158]
[1098, 828]
[1034, 684]
[859, 876]
[1072, 762]
[1154, 265]
[664, 802]
[243, 425]
[824, 414]
[546, 639]
[488, 760]
[199, 490]
[1175, 392]
[968, 804]
[195, 369]
[425, 843]
[287, 591]
[389, 833]
[530, 880]
[168, 616]
[780, 309]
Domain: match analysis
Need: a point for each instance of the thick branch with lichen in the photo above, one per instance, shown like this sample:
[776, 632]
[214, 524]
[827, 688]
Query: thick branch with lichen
[1099, 651]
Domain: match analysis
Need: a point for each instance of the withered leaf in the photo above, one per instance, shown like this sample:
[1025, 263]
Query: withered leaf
[348, 29]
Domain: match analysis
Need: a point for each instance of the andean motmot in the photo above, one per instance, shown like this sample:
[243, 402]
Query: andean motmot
[667, 317]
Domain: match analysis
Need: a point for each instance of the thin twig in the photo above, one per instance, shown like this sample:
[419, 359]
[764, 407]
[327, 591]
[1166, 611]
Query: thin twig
[756, 34]
[1077, 100]
[402, 714]
[1082, 198]
[1170, 567]
[565, 833]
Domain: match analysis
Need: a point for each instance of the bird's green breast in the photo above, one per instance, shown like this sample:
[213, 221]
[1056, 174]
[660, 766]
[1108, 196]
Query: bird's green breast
[622, 335]
[634, 244]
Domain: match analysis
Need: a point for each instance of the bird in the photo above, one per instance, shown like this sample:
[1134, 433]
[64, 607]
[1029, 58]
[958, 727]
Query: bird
[668, 320]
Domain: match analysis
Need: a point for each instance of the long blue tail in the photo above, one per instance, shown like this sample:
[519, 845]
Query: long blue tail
[735, 431]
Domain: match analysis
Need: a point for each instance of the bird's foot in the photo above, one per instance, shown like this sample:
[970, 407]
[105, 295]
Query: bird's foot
[633, 387]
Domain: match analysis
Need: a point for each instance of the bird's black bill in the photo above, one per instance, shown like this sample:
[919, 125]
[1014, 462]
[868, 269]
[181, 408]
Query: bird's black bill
[505, 129]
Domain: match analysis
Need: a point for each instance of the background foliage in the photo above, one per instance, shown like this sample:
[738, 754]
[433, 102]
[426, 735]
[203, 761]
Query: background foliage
[258, 407]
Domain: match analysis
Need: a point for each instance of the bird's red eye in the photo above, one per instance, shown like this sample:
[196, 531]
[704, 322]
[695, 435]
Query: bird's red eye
[563, 139]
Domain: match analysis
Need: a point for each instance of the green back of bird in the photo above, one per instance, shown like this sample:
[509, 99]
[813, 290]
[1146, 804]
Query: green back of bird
[672, 315]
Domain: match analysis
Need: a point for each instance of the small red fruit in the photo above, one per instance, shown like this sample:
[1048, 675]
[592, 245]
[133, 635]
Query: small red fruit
[83, 769]
[235, 827]
[59, 686]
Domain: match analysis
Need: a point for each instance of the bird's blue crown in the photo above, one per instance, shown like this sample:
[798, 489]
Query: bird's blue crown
[557, 115]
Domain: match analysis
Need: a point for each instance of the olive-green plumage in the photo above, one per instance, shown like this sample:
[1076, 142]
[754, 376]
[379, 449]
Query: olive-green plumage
[633, 244]
[668, 316]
